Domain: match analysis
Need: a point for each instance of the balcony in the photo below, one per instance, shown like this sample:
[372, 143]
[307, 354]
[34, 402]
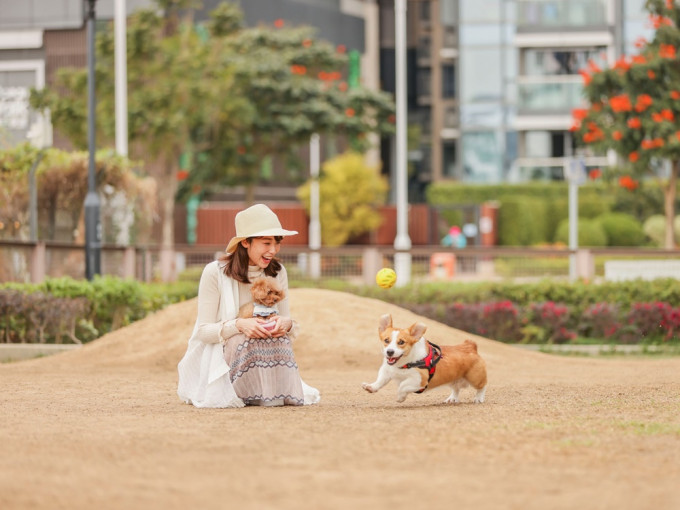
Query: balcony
[556, 94]
[539, 15]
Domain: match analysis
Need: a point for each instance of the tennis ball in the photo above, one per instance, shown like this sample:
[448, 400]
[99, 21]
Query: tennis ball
[386, 277]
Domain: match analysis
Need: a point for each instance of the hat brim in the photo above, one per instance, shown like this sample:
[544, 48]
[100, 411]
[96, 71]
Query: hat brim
[274, 232]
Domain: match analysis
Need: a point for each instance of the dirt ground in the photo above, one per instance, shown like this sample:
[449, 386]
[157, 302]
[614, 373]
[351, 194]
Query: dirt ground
[102, 428]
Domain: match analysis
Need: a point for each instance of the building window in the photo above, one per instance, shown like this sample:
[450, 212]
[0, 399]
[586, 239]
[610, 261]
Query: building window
[424, 82]
[481, 74]
[447, 12]
[544, 144]
[552, 62]
[425, 11]
[449, 159]
[424, 46]
[448, 81]
[482, 159]
[450, 117]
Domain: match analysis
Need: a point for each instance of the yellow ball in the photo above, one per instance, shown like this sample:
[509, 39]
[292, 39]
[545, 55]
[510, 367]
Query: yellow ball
[386, 277]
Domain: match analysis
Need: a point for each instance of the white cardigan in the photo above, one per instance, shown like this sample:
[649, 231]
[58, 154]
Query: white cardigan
[203, 373]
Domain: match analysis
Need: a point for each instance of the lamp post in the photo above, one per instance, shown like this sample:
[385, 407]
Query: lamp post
[314, 217]
[93, 232]
[120, 59]
[402, 241]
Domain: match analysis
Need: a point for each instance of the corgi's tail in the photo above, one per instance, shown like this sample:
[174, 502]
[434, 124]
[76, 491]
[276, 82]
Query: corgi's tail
[472, 345]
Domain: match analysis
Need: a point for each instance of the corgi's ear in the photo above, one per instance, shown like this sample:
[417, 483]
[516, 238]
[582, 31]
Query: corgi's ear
[417, 330]
[385, 322]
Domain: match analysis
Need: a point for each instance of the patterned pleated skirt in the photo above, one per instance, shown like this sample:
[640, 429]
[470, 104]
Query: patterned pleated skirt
[263, 371]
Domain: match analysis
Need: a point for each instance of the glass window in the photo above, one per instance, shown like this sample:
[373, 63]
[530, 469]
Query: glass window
[449, 37]
[447, 12]
[635, 9]
[449, 159]
[448, 81]
[480, 74]
[424, 47]
[475, 11]
[481, 35]
[551, 62]
[450, 117]
[425, 11]
[482, 160]
[481, 115]
[424, 82]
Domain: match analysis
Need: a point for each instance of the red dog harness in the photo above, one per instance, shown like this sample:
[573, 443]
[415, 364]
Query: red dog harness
[429, 362]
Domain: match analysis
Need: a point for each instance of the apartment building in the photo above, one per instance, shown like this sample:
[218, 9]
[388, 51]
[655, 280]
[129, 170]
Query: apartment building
[495, 82]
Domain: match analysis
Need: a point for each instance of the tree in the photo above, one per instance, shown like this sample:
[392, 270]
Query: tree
[228, 95]
[350, 193]
[294, 86]
[635, 109]
[175, 88]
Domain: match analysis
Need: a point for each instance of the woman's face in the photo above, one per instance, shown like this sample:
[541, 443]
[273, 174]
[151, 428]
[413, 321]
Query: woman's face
[261, 250]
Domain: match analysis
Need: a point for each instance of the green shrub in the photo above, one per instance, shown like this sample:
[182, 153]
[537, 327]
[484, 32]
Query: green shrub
[654, 228]
[522, 222]
[622, 229]
[590, 233]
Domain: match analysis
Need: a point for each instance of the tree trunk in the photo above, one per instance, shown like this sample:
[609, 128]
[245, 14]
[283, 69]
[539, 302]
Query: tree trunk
[167, 190]
[164, 170]
[669, 194]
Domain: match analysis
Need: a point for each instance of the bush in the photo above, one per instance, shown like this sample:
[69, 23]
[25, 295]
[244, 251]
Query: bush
[622, 229]
[553, 321]
[654, 228]
[79, 309]
[522, 222]
[654, 320]
[601, 320]
[590, 233]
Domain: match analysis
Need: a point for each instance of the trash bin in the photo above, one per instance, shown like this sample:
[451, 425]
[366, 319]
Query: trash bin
[442, 266]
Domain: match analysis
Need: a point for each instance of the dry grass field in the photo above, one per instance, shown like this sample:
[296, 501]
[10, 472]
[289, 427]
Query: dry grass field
[102, 428]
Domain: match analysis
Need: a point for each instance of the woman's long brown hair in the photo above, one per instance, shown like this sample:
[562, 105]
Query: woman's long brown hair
[236, 263]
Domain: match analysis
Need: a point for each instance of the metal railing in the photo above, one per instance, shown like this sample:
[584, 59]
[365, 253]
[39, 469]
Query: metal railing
[33, 262]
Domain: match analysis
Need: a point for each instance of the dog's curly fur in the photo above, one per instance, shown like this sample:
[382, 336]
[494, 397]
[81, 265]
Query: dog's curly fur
[266, 291]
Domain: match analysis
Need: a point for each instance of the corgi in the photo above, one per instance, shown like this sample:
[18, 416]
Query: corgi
[419, 365]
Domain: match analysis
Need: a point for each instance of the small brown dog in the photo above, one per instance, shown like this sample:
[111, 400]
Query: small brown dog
[267, 293]
[419, 365]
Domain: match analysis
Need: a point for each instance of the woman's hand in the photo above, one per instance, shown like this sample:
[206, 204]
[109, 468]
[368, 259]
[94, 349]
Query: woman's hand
[255, 327]
[281, 326]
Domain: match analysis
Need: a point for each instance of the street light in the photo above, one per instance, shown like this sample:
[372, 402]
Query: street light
[93, 232]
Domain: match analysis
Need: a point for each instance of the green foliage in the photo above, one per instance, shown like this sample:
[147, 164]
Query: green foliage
[350, 193]
[654, 228]
[521, 221]
[622, 229]
[229, 96]
[549, 310]
[81, 309]
[529, 213]
[590, 233]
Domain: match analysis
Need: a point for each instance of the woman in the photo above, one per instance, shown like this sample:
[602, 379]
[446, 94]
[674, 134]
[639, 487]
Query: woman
[230, 361]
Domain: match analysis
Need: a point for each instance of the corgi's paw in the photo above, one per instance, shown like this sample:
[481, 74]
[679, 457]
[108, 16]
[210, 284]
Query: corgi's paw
[368, 387]
[451, 400]
[401, 398]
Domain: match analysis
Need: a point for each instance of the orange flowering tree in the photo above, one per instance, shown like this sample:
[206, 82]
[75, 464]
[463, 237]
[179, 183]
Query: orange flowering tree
[293, 85]
[635, 106]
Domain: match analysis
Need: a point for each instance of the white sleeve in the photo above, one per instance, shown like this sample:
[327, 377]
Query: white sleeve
[209, 325]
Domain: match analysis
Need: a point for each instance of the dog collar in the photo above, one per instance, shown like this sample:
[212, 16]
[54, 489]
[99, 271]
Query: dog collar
[429, 362]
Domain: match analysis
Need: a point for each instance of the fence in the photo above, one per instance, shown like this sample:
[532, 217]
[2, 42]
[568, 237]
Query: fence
[33, 262]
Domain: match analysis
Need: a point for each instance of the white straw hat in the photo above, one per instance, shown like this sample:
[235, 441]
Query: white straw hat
[256, 221]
